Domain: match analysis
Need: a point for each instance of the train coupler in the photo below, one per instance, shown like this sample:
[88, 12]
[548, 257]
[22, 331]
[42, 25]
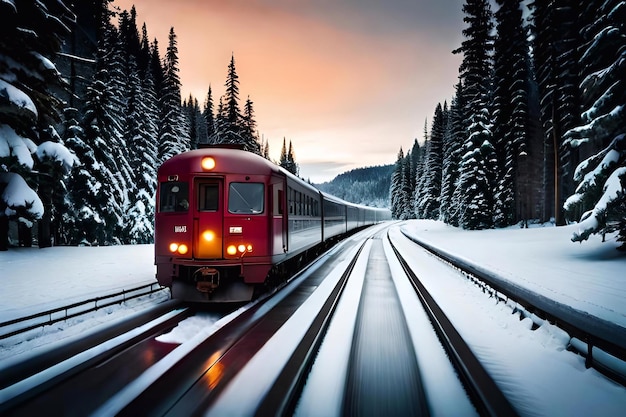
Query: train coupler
[207, 279]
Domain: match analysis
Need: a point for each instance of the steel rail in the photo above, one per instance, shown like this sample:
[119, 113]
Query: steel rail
[35, 376]
[592, 331]
[484, 392]
[283, 396]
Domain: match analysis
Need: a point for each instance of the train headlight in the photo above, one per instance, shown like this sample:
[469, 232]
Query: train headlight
[231, 250]
[208, 163]
[179, 248]
[249, 248]
[208, 235]
[241, 248]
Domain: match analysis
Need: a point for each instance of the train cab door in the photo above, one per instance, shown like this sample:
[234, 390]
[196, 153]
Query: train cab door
[208, 218]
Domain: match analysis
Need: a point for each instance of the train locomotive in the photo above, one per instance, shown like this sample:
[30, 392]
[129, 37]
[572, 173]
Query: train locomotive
[225, 218]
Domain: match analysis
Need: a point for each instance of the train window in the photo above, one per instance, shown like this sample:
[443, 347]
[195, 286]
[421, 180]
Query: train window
[246, 198]
[208, 197]
[174, 197]
[279, 196]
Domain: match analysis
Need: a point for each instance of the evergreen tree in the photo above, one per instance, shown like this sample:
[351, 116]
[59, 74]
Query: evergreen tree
[265, 149]
[600, 198]
[396, 192]
[478, 165]
[100, 185]
[230, 124]
[477, 177]
[431, 196]
[248, 130]
[196, 126]
[408, 211]
[452, 142]
[173, 137]
[556, 48]
[512, 126]
[31, 33]
[140, 136]
[287, 158]
[209, 117]
[421, 175]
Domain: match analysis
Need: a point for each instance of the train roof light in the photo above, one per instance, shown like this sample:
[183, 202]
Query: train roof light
[208, 163]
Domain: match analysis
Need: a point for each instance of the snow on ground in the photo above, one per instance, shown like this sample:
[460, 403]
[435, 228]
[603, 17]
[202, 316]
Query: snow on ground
[589, 276]
[534, 369]
[34, 280]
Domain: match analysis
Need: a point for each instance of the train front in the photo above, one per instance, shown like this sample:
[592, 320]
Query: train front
[212, 225]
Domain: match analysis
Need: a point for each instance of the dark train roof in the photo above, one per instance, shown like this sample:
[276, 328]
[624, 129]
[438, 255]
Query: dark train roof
[226, 160]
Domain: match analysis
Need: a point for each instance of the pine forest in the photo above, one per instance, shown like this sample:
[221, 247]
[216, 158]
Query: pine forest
[90, 106]
[536, 131]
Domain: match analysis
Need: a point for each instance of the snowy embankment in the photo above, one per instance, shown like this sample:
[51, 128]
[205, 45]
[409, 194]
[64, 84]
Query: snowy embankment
[588, 276]
[35, 280]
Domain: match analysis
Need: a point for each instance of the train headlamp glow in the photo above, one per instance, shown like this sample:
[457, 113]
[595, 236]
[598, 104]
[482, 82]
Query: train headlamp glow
[208, 163]
[208, 235]
[181, 249]
[232, 250]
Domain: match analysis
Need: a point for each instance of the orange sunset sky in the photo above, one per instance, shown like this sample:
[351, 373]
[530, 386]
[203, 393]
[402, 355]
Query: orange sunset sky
[347, 81]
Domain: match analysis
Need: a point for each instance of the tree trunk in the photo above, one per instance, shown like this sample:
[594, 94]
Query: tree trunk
[4, 233]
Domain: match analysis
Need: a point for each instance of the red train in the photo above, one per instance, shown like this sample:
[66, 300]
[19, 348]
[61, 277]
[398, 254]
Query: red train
[226, 217]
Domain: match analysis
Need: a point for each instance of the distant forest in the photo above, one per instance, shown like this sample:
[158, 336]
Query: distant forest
[367, 186]
[537, 128]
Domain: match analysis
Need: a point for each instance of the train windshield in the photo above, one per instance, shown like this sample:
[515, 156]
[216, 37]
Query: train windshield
[174, 197]
[246, 198]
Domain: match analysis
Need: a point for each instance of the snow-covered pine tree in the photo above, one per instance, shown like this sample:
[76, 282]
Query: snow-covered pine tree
[408, 211]
[140, 136]
[31, 33]
[556, 47]
[477, 177]
[99, 187]
[413, 159]
[395, 187]
[208, 113]
[248, 128]
[194, 122]
[511, 126]
[173, 137]
[421, 174]
[156, 68]
[230, 125]
[431, 197]
[478, 162]
[452, 142]
[600, 199]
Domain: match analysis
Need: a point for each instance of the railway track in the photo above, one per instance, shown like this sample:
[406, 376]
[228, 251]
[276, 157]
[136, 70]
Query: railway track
[65, 380]
[356, 328]
[277, 352]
